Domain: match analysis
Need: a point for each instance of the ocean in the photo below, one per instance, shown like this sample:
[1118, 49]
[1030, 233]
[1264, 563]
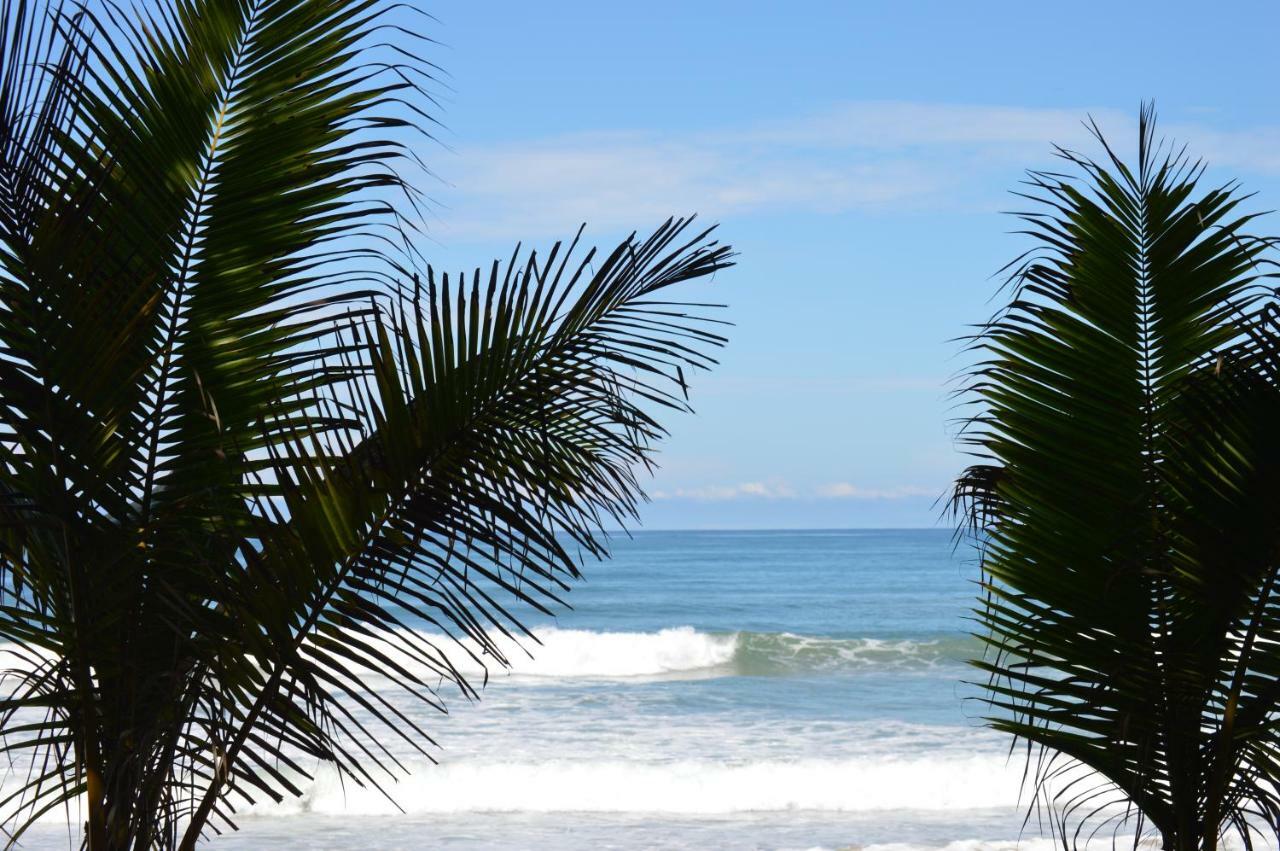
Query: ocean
[771, 690]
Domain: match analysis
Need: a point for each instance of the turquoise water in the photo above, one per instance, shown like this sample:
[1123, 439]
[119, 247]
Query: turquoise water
[711, 690]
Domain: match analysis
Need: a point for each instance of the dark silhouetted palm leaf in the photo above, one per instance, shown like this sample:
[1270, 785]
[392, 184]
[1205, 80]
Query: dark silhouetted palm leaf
[244, 442]
[1127, 505]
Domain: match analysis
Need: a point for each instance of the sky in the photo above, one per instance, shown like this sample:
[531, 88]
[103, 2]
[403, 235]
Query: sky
[860, 158]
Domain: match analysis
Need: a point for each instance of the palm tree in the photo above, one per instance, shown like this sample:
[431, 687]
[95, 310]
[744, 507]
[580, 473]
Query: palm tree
[247, 437]
[1126, 505]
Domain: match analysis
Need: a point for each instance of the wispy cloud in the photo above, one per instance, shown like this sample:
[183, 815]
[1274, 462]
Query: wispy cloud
[863, 156]
[895, 125]
[550, 187]
[1255, 150]
[720, 385]
[722, 493]
[845, 490]
[781, 491]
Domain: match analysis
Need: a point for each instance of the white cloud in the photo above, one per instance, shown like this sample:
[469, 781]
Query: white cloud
[725, 385]
[548, 188]
[721, 493]
[1255, 150]
[861, 156]
[845, 490]
[779, 490]
[897, 124]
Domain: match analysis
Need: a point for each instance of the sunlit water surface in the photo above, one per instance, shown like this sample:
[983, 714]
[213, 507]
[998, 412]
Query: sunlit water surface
[709, 690]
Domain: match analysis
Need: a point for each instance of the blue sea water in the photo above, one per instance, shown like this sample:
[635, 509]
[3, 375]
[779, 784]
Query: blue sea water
[798, 689]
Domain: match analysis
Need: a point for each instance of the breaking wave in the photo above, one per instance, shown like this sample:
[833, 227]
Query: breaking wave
[684, 651]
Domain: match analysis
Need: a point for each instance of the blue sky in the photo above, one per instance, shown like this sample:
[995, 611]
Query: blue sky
[858, 155]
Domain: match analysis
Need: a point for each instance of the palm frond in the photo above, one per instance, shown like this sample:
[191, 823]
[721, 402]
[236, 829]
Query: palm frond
[248, 451]
[506, 416]
[1124, 500]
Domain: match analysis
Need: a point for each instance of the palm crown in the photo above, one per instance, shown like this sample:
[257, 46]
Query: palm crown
[1127, 499]
[247, 435]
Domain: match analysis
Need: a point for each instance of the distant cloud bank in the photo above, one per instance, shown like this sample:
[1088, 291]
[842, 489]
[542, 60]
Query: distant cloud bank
[864, 156]
[844, 490]
[782, 491]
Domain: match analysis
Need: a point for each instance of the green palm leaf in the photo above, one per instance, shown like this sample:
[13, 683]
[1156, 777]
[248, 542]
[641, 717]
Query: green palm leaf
[245, 443]
[1125, 504]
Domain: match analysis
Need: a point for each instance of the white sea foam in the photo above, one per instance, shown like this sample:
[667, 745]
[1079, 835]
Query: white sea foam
[1026, 844]
[568, 653]
[1104, 842]
[686, 787]
[679, 652]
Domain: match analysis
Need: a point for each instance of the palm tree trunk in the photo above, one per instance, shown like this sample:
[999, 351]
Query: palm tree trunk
[89, 758]
[1185, 840]
[97, 810]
